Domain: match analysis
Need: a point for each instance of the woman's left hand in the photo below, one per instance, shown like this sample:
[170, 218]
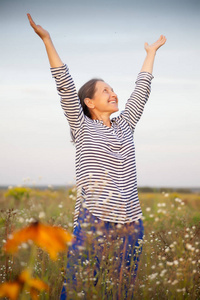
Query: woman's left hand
[155, 46]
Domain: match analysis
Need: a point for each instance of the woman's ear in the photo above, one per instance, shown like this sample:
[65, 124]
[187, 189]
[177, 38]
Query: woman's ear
[89, 102]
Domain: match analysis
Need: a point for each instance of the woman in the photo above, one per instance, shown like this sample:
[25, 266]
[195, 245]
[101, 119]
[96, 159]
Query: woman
[107, 197]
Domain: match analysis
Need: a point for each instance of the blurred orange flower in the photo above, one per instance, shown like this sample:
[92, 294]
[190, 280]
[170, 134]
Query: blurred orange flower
[52, 239]
[10, 290]
[13, 289]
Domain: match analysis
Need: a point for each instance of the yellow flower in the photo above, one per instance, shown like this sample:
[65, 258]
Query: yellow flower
[52, 239]
[10, 290]
[13, 289]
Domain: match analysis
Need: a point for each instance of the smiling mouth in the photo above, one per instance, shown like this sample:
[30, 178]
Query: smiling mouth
[112, 101]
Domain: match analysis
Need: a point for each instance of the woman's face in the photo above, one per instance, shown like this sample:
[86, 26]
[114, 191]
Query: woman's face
[105, 100]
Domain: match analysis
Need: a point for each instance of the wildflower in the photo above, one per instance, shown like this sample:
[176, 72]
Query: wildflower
[178, 200]
[174, 282]
[52, 239]
[42, 215]
[13, 289]
[189, 247]
[21, 220]
[181, 259]
[148, 208]
[153, 276]
[163, 273]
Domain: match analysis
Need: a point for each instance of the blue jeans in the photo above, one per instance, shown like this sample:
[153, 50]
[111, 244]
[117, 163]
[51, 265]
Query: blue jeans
[111, 250]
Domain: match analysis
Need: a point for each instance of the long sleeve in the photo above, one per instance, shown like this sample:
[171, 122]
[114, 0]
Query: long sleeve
[135, 104]
[70, 102]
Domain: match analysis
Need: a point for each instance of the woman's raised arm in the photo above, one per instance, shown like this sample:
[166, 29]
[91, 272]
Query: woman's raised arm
[53, 56]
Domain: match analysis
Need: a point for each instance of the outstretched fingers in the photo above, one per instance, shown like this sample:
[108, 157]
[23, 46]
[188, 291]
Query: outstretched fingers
[32, 23]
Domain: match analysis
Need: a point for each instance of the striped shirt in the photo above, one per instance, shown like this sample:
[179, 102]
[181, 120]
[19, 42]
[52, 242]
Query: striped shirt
[105, 156]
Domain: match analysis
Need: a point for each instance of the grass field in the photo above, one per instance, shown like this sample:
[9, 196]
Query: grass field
[170, 262]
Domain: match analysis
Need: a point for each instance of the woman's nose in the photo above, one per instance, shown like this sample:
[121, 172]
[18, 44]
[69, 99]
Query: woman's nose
[113, 94]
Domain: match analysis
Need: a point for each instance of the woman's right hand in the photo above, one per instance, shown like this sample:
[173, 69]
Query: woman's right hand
[43, 34]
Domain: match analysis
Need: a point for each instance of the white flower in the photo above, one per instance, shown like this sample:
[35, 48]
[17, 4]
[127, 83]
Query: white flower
[153, 276]
[189, 247]
[163, 273]
[178, 200]
[31, 220]
[148, 208]
[42, 215]
[21, 220]
[24, 246]
[181, 259]
[174, 282]
[99, 232]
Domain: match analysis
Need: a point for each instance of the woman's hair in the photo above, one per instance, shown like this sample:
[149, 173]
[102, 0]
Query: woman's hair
[87, 91]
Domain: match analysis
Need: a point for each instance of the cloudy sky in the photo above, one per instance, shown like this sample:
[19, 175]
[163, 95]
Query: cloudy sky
[104, 39]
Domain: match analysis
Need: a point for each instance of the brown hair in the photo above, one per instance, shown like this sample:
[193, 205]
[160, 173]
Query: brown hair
[87, 91]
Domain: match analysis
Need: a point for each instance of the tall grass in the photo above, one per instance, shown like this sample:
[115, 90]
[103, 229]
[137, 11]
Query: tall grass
[169, 266]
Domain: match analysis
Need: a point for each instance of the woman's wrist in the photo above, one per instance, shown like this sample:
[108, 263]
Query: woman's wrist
[151, 52]
[47, 40]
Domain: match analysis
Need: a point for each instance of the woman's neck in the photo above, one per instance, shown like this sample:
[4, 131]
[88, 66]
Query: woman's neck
[102, 117]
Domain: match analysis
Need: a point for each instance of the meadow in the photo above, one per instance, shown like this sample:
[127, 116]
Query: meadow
[170, 262]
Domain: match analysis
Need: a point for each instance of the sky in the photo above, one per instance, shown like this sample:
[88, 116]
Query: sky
[99, 39]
